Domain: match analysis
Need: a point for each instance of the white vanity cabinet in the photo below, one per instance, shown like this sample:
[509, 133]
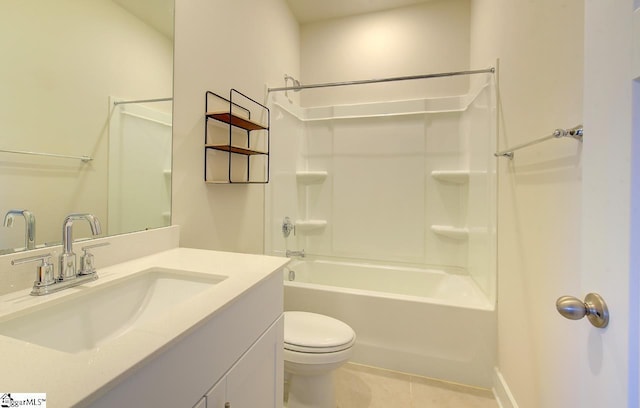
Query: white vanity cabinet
[238, 351]
[256, 379]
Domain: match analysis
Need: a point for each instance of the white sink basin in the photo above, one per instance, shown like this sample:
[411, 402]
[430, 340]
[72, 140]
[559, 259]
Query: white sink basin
[98, 314]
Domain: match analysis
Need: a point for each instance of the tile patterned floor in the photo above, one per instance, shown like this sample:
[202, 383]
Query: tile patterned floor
[367, 387]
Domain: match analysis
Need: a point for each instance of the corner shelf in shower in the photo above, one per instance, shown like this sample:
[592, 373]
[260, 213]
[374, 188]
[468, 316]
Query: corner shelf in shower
[451, 176]
[242, 122]
[303, 226]
[311, 177]
[457, 233]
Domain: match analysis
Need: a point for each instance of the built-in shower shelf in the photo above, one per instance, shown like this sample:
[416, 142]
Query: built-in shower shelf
[451, 176]
[448, 231]
[303, 226]
[311, 177]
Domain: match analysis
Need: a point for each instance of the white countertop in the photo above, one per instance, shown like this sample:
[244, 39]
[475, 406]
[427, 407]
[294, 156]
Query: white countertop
[71, 378]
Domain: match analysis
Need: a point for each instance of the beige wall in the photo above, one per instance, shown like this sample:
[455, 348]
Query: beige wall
[421, 39]
[540, 47]
[242, 44]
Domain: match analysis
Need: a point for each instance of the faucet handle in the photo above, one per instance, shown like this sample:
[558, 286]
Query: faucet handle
[287, 227]
[44, 271]
[101, 244]
[86, 260]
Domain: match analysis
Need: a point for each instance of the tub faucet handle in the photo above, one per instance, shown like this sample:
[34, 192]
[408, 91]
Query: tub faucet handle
[287, 227]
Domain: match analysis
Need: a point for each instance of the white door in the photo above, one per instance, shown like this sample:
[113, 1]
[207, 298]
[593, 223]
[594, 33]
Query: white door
[608, 367]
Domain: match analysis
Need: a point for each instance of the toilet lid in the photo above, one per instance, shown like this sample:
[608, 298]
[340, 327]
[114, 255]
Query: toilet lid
[314, 333]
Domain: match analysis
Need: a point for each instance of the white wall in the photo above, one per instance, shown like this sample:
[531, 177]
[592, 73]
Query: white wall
[243, 44]
[540, 46]
[540, 80]
[426, 38]
[61, 62]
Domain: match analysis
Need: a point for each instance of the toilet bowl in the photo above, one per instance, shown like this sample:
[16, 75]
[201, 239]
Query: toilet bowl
[314, 347]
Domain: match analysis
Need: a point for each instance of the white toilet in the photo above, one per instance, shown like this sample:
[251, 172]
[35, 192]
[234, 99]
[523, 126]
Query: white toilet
[314, 347]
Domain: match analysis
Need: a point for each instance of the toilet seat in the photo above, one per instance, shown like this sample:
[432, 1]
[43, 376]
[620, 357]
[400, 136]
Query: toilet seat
[313, 333]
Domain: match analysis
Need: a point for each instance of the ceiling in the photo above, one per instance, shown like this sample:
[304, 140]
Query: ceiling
[307, 11]
[157, 13]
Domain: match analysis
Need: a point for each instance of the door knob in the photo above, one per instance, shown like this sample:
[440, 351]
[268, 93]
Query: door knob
[594, 307]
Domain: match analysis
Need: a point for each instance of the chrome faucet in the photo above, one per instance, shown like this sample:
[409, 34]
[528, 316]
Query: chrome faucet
[46, 282]
[29, 225]
[68, 268]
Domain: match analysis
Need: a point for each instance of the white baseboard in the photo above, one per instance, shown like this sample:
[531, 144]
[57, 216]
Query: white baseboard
[501, 391]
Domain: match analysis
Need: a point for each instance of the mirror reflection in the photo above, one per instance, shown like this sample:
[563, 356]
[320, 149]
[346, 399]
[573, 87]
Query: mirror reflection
[85, 117]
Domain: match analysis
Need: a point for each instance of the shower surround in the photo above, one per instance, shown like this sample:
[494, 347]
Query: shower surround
[376, 189]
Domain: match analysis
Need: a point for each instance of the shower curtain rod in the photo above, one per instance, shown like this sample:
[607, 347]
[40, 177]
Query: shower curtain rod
[143, 101]
[392, 79]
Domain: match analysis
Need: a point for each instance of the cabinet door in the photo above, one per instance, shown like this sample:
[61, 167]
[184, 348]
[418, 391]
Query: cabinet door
[257, 378]
[216, 395]
[201, 404]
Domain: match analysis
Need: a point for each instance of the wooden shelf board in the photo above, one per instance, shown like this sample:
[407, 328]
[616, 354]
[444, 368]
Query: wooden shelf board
[234, 149]
[235, 120]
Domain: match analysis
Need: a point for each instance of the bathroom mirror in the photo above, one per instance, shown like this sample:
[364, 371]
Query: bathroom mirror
[65, 147]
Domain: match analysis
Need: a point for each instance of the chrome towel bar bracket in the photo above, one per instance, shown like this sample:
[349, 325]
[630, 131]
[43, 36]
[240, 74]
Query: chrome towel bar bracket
[575, 132]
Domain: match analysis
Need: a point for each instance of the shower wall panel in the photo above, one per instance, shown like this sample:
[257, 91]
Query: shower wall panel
[478, 123]
[378, 195]
[285, 159]
[381, 197]
[139, 169]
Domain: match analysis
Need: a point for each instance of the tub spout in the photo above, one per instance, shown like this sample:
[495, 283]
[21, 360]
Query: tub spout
[289, 253]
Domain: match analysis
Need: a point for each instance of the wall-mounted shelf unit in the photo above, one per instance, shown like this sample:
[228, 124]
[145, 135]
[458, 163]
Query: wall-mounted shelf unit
[247, 138]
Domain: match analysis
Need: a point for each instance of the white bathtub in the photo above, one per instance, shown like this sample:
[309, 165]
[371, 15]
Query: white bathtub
[421, 321]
